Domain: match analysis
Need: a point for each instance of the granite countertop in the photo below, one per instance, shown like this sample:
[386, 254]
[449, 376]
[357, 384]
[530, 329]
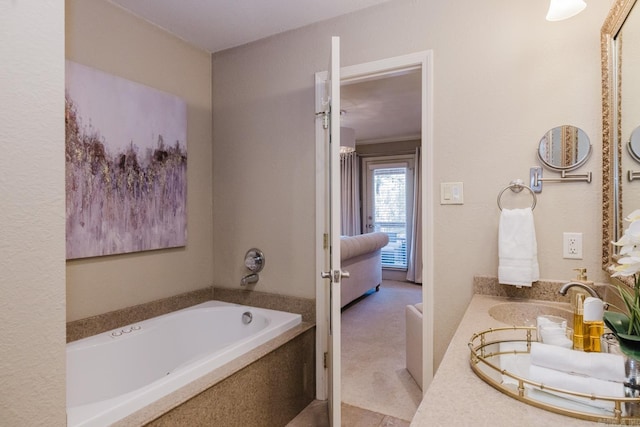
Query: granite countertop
[457, 397]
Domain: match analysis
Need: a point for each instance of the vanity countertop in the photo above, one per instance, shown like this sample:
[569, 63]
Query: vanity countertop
[457, 397]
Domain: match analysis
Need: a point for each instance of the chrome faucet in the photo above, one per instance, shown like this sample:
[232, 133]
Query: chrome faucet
[249, 279]
[563, 290]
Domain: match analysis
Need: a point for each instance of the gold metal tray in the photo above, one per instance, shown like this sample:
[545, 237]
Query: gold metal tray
[501, 357]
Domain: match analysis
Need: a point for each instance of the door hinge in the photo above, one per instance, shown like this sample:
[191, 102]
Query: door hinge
[326, 355]
[325, 119]
[325, 241]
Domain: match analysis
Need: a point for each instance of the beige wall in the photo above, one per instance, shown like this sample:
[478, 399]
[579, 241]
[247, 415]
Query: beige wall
[503, 77]
[103, 36]
[32, 330]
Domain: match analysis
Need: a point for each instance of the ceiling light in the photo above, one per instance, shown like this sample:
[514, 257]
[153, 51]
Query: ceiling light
[564, 9]
[347, 140]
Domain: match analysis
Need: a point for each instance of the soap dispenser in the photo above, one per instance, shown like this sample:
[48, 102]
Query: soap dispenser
[578, 321]
[582, 276]
[593, 325]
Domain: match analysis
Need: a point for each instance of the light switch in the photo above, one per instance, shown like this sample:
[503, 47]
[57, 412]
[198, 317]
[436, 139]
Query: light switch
[451, 193]
[447, 192]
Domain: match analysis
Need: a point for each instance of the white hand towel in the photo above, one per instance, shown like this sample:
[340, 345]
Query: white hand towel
[513, 360]
[604, 366]
[517, 248]
[579, 384]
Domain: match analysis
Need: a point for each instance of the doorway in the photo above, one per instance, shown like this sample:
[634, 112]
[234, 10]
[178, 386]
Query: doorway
[384, 114]
[422, 62]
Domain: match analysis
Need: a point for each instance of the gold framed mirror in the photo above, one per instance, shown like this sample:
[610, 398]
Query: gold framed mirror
[611, 61]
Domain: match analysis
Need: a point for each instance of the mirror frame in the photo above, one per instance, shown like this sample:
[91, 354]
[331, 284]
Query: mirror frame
[611, 130]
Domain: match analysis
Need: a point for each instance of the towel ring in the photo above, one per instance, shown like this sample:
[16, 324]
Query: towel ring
[517, 186]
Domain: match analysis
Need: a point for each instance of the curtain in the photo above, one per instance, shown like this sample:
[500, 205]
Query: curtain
[414, 263]
[350, 194]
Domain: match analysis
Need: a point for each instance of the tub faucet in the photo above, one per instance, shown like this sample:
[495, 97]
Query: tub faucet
[249, 279]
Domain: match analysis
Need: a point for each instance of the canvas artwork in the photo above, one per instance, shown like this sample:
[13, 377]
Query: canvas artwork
[126, 165]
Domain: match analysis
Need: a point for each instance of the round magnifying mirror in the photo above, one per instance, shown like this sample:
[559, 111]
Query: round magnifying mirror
[634, 144]
[564, 148]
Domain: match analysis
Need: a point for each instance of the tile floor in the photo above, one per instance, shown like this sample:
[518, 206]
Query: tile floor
[373, 372]
[315, 415]
[384, 313]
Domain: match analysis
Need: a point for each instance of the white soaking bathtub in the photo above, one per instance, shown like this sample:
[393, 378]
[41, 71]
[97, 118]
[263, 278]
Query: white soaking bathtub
[116, 373]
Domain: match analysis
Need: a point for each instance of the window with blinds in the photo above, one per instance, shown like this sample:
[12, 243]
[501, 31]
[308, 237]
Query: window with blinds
[390, 213]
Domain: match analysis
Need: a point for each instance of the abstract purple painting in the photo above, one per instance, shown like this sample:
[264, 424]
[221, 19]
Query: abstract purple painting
[126, 165]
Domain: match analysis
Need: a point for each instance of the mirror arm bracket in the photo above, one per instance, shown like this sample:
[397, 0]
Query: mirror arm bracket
[536, 179]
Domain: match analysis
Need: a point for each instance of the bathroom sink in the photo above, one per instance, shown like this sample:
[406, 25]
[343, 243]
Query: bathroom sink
[524, 313]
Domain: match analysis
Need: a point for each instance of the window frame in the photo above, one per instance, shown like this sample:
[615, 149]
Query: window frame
[379, 162]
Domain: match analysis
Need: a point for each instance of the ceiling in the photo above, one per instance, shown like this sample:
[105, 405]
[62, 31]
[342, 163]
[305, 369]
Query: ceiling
[382, 110]
[215, 25]
[379, 110]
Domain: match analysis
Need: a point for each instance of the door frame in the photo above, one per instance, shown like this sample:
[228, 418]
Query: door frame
[422, 61]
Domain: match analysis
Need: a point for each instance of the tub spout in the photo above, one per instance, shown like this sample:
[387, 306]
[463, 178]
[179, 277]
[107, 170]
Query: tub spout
[249, 279]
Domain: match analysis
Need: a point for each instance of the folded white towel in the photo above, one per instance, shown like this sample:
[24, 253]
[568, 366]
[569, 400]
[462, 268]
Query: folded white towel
[512, 362]
[579, 384]
[604, 366]
[517, 248]
[575, 404]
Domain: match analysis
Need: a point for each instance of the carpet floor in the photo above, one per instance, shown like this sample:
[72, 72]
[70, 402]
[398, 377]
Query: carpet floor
[374, 375]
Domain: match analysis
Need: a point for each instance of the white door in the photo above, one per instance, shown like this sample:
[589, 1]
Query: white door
[328, 309]
[334, 237]
[334, 273]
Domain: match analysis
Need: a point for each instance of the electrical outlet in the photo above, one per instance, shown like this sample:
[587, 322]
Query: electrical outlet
[572, 245]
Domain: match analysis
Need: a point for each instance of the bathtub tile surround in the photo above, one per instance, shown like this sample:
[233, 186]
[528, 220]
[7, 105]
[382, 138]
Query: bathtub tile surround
[247, 382]
[207, 384]
[93, 325]
[83, 328]
[110, 377]
[269, 392]
[304, 306]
